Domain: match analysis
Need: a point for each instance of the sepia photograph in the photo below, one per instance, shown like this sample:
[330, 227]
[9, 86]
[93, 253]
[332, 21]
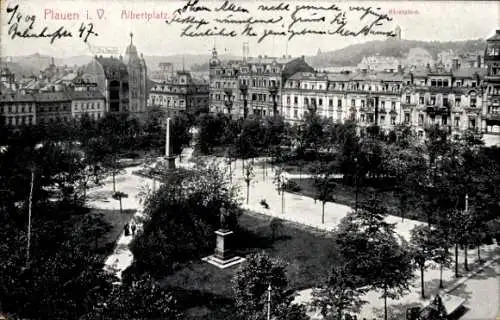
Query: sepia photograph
[249, 160]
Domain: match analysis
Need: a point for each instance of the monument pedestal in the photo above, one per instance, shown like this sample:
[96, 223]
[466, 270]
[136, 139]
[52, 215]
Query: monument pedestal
[223, 257]
[170, 162]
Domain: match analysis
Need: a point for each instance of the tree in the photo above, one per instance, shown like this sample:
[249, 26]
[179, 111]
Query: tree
[338, 294]
[275, 225]
[181, 217]
[249, 175]
[281, 181]
[325, 188]
[424, 244]
[373, 253]
[141, 299]
[93, 226]
[119, 196]
[251, 283]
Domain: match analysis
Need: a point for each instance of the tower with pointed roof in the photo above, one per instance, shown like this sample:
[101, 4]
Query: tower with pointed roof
[137, 70]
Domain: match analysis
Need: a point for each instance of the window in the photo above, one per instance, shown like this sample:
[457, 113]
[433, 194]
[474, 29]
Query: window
[353, 102]
[444, 120]
[330, 102]
[433, 100]
[457, 101]
[393, 120]
[393, 105]
[407, 117]
[295, 100]
[306, 101]
[382, 104]
[295, 113]
[339, 103]
[288, 99]
[320, 102]
[420, 119]
[421, 100]
[473, 101]
[408, 98]
[456, 122]
[382, 119]
[363, 103]
[472, 123]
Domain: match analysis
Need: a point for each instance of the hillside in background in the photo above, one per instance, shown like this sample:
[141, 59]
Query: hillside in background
[353, 54]
[348, 56]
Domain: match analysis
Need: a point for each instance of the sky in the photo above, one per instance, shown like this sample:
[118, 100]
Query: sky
[418, 20]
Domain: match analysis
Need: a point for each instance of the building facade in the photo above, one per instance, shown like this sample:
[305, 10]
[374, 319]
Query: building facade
[453, 100]
[17, 109]
[123, 81]
[491, 110]
[256, 82]
[368, 98]
[52, 107]
[91, 103]
[180, 94]
[138, 77]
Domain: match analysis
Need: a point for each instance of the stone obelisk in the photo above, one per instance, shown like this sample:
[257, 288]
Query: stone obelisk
[170, 160]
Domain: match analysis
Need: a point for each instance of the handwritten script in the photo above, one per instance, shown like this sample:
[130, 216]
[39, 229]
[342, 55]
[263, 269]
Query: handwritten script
[23, 26]
[199, 19]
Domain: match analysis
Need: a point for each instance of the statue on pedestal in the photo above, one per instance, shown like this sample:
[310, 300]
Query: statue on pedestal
[223, 222]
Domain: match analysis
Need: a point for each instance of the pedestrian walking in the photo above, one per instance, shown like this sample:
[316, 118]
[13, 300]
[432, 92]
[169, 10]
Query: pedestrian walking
[133, 228]
[127, 230]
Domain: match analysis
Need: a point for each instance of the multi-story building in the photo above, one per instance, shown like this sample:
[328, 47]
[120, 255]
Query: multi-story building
[254, 81]
[17, 109]
[491, 110]
[112, 79]
[368, 98]
[379, 64]
[52, 107]
[180, 94]
[91, 103]
[449, 99]
[422, 98]
[122, 81]
[138, 78]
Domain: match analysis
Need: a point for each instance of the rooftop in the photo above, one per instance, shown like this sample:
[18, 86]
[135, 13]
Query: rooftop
[496, 36]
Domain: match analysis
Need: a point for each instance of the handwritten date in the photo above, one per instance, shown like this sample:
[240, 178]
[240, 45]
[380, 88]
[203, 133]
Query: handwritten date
[23, 26]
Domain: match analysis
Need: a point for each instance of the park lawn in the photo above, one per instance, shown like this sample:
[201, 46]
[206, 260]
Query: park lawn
[346, 195]
[205, 292]
[116, 220]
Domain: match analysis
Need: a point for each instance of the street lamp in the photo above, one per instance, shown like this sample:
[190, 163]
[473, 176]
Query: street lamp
[356, 182]
[269, 302]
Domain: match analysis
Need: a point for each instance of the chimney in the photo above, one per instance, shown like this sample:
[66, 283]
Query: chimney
[400, 69]
[303, 58]
[479, 61]
[454, 64]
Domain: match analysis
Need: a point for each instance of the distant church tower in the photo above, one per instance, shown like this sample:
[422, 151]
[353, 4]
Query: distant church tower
[137, 72]
[397, 31]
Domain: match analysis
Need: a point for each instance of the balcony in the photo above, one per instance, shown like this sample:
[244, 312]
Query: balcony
[437, 110]
[493, 116]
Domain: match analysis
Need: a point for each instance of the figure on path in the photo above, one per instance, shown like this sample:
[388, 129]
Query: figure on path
[133, 228]
[127, 230]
